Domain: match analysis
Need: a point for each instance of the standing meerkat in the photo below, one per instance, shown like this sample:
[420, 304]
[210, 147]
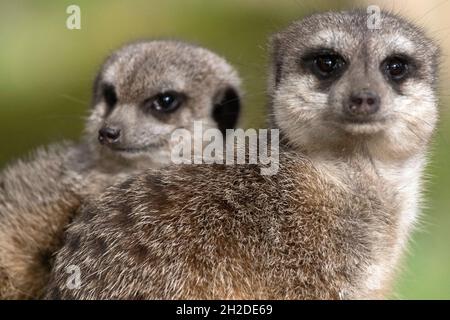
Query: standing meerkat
[143, 92]
[356, 109]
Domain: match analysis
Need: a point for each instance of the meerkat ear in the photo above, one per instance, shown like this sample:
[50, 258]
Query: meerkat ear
[227, 109]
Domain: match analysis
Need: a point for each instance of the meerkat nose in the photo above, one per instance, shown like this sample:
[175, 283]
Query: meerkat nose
[108, 135]
[363, 103]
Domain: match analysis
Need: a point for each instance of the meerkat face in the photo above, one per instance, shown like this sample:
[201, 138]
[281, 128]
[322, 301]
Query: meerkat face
[337, 83]
[147, 90]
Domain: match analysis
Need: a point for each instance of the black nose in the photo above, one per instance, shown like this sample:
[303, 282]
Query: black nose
[363, 103]
[108, 135]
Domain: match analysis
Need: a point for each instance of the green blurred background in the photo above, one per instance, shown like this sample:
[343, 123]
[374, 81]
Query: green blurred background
[46, 72]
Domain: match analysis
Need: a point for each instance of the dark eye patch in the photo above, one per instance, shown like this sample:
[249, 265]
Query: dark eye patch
[109, 95]
[397, 68]
[325, 64]
[167, 102]
[164, 103]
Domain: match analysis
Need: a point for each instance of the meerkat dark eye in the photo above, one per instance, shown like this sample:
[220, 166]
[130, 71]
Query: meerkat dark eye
[395, 68]
[165, 102]
[328, 65]
[325, 64]
[109, 94]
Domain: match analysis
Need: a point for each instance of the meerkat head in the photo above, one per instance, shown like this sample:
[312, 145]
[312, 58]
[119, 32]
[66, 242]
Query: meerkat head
[338, 84]
[146, 90]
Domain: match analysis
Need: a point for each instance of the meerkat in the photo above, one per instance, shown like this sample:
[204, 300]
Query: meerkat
[356, 109]
[143, 92]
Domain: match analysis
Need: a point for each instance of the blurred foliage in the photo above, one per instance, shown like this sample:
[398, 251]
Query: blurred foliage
[47, 73]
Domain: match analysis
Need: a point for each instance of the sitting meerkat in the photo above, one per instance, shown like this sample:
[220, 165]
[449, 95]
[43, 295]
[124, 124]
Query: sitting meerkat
[356, 109]
[143, 92]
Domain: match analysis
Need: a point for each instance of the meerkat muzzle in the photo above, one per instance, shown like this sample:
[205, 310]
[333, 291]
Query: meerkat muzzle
[362, 105]
[109, 136]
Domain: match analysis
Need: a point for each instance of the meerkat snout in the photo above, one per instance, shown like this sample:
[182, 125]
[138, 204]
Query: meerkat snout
[362, 104]
[109, 135]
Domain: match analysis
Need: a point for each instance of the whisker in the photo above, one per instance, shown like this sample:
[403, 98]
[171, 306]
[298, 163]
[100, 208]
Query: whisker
[425, 122]
[74, 99]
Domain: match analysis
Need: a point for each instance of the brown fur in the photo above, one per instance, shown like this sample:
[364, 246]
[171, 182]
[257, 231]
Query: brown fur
[41, 197]
[242, 240]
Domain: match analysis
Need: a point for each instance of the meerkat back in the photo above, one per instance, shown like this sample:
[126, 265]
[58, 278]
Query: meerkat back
[143, 92]
[350, 104]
